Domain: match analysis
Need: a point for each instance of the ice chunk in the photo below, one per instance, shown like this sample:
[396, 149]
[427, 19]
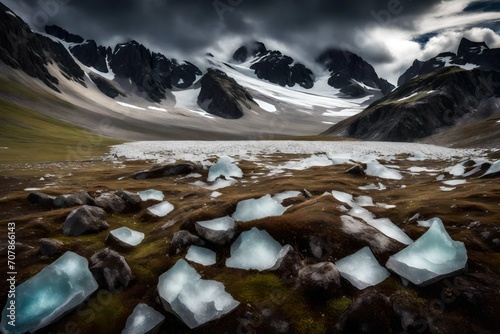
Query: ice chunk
[219, 230]
[454, 182]
[215, 194]
[494, 169]
[447, 189]
[128, 236]
[191, 299]
[280, 197]
[201, 255]
[162, 209]
[54, 291]
[427, 223]
[147, 195]
[374, 168]
[144, 319]
[418, 156]
[312, 161]
[254, 249]
[384, 225]
[362, 269]
[224, 167]
[432, 257]
[364, 201]
[252, 209]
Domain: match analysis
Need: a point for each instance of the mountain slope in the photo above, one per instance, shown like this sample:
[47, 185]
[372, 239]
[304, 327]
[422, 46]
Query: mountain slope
[425, 104]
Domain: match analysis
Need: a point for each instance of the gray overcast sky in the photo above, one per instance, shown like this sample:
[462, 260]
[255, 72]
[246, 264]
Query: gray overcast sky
[389, 34]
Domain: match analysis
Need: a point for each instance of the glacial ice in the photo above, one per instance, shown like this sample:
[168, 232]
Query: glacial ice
[280, 197]
[143, 320]
[162, 209]
[372, 186]
[374, 168]
[201, 255]
[54, 291]
[494, 168]
[384, 225]
[252, 209]
[191, 299]
[219, 230]
[312, 161]
[254, 249]
[224, 167]
[454, 182]
[128, 236]
[362, 269]
[427, 223]
[147, 195]
[432, 257]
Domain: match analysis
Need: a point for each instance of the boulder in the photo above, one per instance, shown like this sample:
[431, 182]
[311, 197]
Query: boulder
[85, 220]
[41, 199]
[183, 168]
[318, 280]
[219, 231]
[80, 197]
[50, 247]
[182, 240]
[111, 270]
[111, 203]
[133, 202]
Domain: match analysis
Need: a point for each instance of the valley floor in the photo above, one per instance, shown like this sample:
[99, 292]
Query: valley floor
[403, 181]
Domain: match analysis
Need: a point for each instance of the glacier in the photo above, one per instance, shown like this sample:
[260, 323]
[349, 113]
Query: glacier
[255, 249]
[144, 319]
[362, 269]
[57, 289]
[253, 209]
[432, 257]
[193, 300]
[224, 167]
[128, 236]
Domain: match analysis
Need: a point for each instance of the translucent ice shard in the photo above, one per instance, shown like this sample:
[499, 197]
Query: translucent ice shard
[224, 167]
[144, 319]
[252, 209]
[146, 195]
[201, 255]
[254, 249]
[286, 195]
[362, 269]
[431, 258]
[219, 231]
[162, 209]
[191, 299]
[128, 236]
[47, 296]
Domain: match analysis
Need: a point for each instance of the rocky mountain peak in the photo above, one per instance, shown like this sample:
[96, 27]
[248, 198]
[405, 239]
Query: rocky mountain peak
[467, 47]
[249, 50]
[62, 34]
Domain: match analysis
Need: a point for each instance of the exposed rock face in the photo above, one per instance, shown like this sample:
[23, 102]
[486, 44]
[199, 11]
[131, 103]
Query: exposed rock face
[92, 55]
[110, 270]
[85, 220]
[345, 67]
[60, 33]
[423, 105]
[476, 53]
[222, 96]
[107, 87]
[252, 49]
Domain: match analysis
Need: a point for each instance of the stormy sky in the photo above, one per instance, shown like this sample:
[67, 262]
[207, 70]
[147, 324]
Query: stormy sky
[389, 34]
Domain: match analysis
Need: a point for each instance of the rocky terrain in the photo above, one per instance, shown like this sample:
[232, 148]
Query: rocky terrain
[305, 293]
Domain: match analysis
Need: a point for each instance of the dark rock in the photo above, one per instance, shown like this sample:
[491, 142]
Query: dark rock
[41, 199]
[108, 87]
[91, 55]
[307, 194]
[409, 309]
[217, 237]
[110, 270]
[133, 202]
[319, 280]
[85, 220]
[184, 75]
[50, 247]
[60, 33]
[353, 89]
[394, 119]
[371, 312]
[288, 264]
[346, 66]
[357, 170]
[168, 170]
[222, 96]
[182, 240]
[80, 197]
[252, 49]
[111, 203]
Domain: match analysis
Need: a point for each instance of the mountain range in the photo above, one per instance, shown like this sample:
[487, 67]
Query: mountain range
[257, 93]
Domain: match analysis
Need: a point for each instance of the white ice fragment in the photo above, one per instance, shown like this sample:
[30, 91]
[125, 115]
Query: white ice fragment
[191, 299]
[280, 197]
[312, 161]
[494, 168]
[418, 156]
[219, 230]
[266, 106]
[427, 223]
[371, 186]
[144, 319]
[440, 177]
[128, 236]
[454, 182]
[201, 255]
[54, 291]
[374, 168]
[162, 209]
[151, 194]
[252, 209]
[362, 269]
[364, 201]
[447, 189]
[192, 176]
[215, 194]
[224, 167]
[457, 170]
[254, 249]
[432, 257]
